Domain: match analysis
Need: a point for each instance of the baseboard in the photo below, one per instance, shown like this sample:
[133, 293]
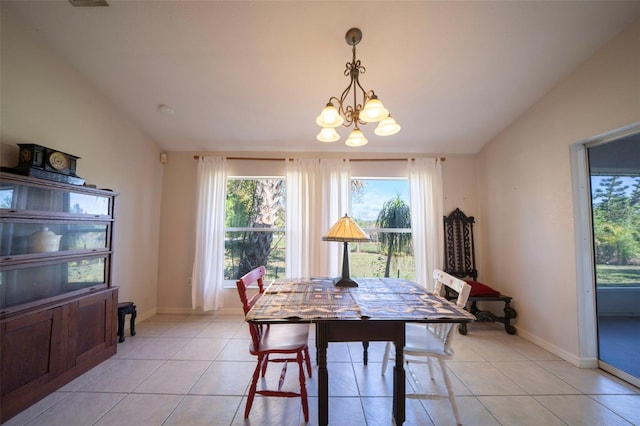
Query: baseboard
[144, 315]
[567, 356]
[178, 311]
[189, 311]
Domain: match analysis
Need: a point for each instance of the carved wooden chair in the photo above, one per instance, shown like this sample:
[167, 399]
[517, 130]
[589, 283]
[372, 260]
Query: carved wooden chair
[433, 340]
[460, 261]
[285, 342]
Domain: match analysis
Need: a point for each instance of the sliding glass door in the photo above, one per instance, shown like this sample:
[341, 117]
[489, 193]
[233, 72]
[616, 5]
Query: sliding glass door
[614, 169]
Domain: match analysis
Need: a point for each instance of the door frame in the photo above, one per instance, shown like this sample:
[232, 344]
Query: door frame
[585, 268]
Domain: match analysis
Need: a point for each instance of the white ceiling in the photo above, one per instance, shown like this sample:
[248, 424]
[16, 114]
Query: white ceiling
[253, 75]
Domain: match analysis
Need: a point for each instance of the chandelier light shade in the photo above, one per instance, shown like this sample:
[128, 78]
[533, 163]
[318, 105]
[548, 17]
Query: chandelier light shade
[329, 117]
[356, 138]
[338, 112]
[373, 111]
[328, 134]
[387, 127]
[345, 230]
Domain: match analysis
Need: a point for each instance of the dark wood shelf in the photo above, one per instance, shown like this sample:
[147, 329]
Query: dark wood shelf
[58, 308]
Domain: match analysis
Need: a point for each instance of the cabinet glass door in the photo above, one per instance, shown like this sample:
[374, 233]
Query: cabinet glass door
[20, 285]
[22, 237]
[16, 196]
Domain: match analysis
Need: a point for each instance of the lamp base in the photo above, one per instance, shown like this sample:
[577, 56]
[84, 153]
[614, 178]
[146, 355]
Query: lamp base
[344, 282]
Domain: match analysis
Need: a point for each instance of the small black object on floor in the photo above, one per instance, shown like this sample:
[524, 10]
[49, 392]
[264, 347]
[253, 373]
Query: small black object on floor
[125, 308]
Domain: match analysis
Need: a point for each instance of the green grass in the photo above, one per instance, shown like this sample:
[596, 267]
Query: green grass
[366, 264]
[613, 275]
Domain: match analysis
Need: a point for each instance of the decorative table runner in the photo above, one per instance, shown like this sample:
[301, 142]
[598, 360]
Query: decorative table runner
[376, 298]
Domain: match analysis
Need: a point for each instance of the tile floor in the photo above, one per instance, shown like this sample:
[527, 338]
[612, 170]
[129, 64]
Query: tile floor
[192, 370]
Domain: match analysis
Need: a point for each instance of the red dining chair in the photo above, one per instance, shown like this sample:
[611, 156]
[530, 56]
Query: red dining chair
[274, 343]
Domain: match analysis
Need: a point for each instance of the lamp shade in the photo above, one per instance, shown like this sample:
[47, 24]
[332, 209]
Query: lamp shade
[356, 138]
[329, 117]
[328, 134]
[346, 229]
[387, 127]
[373, 111]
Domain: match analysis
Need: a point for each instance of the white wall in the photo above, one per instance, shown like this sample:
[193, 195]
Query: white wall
[47, 102]
[177, 232]
[526, 191]
[44, 101]
[179, 210]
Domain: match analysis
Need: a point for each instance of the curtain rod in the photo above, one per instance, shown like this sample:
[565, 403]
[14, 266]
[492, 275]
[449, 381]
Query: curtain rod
[196, 157]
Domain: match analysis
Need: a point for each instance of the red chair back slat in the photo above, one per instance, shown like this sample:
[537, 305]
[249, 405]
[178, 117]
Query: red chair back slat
[254, 276]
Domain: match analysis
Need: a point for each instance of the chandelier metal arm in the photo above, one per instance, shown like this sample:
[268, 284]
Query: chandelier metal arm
[351, 113]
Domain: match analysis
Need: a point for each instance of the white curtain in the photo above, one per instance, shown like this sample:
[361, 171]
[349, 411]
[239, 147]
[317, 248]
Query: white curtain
[336, 193]
[208, 266]
[425, 189]
[303, 210]
[317, 195]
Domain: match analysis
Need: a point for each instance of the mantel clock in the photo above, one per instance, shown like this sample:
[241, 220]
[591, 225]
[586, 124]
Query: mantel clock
[47, 163]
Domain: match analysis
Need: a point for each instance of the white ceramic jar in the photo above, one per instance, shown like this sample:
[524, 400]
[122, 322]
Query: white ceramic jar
[43, 241]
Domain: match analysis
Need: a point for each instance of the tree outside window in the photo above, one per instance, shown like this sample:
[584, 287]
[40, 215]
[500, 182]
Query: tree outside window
[381, 208]
[254, 226]
[616, 225]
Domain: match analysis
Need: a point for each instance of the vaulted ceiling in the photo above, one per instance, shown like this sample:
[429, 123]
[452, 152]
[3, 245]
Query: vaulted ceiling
[253, 75]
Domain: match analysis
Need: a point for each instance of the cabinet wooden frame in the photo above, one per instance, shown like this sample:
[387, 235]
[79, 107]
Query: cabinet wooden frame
[48, 341]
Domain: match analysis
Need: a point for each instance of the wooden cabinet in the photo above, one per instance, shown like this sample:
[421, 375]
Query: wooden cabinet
[57, 306]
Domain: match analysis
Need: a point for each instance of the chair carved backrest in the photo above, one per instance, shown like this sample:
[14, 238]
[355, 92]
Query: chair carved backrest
[254, 276]
[459, 249]
[443, 283]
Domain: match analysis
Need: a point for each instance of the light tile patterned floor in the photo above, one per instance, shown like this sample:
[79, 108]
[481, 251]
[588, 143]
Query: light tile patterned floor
[194, 370]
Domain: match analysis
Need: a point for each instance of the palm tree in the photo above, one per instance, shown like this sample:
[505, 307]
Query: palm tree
[395, 213]
[266, 206]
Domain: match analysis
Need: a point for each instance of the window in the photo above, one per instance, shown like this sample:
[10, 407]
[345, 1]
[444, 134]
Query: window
[381, 207]
[616, 229]
[254, 226]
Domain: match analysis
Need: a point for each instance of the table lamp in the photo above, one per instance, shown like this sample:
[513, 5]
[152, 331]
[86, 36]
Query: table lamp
[345, 230]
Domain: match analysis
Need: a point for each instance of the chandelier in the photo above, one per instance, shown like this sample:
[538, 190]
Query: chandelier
[370, 110]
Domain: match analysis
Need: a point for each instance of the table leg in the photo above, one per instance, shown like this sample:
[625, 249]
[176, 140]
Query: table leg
[322, 335]
[399, 391]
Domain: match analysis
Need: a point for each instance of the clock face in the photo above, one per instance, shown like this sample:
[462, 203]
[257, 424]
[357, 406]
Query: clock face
[59, 161]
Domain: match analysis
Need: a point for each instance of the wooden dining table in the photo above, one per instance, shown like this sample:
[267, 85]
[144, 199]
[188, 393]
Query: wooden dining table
[376, 310]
